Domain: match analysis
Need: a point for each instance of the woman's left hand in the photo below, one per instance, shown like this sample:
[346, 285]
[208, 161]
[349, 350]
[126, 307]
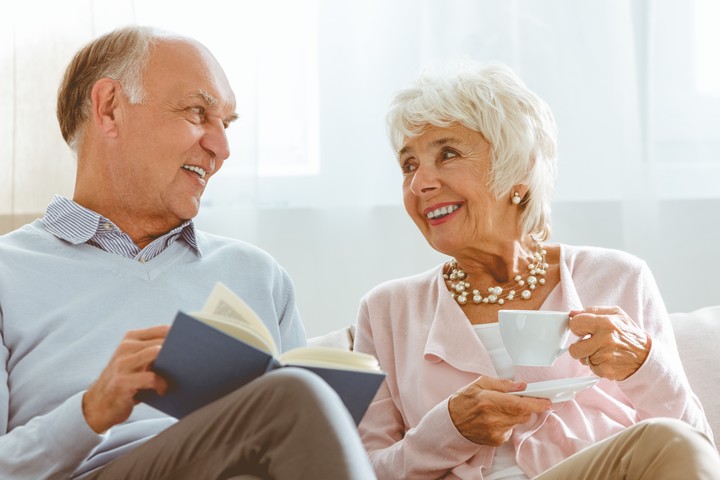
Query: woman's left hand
[610, 343]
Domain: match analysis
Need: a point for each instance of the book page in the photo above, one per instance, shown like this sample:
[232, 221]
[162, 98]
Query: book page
[224, 303]
[234, 329]
[329, 357]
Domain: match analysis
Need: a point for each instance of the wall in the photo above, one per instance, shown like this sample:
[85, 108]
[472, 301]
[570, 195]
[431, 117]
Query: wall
[336, 257]
[619, 77]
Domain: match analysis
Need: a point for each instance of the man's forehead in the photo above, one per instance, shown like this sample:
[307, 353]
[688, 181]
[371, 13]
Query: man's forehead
[185, 57]
[188, 69]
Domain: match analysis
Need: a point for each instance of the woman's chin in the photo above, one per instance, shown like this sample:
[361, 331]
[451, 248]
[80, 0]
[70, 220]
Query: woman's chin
[444, 246]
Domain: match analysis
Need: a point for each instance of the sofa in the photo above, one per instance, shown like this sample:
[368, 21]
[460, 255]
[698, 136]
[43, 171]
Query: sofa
[697, 334]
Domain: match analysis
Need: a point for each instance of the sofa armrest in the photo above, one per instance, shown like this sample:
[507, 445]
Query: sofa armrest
[697, 334]
[342, 338]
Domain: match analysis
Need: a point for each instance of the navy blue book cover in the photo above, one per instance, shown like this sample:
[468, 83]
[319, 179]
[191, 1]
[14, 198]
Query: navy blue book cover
[202, 364]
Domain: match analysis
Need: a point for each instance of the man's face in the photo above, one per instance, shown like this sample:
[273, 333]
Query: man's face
[174, 141]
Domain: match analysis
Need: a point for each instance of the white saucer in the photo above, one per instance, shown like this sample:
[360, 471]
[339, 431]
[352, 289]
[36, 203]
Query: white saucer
[559, 390]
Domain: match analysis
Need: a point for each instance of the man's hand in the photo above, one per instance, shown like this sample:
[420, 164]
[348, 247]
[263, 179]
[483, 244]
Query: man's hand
[484, 414]
[111, 399]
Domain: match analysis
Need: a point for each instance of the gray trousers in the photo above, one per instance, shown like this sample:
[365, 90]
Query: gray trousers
[657, 449]
[288, 424]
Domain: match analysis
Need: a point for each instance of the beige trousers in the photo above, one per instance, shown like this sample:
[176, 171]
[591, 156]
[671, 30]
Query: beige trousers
[655, 449]
[289, 424]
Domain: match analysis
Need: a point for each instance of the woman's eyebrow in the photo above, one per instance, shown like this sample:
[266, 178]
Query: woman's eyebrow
[435, 143]
[444, 141]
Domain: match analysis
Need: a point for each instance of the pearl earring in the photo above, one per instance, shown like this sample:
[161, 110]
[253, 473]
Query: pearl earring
[516, 198]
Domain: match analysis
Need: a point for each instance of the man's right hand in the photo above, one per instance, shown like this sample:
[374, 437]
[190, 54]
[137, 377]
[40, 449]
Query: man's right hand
[111, 399]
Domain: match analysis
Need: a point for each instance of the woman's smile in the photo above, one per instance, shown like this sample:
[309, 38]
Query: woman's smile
[442, 213]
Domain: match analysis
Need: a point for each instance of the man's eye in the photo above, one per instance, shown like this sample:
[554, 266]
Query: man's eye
[198, 110]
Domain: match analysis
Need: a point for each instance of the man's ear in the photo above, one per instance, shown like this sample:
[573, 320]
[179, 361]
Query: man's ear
[105, 97]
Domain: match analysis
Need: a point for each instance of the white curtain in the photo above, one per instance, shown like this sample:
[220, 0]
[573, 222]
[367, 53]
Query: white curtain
[635, 87]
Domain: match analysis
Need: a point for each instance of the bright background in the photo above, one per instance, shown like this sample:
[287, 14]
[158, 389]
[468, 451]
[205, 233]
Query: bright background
[635, 87]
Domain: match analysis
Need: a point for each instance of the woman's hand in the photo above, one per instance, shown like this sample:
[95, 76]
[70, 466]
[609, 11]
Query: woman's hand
[111, 399]
[484, 414]
[611, 344]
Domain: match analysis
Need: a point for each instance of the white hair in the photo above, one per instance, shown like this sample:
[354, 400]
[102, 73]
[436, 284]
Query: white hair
[493, 101]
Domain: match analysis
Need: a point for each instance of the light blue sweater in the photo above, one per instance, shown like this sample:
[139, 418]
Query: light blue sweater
[64, 309]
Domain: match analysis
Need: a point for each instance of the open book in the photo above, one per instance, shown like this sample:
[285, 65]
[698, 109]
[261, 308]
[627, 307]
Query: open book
[210, 353]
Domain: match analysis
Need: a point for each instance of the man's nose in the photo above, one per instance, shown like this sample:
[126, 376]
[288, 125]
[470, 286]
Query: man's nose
[215, 139]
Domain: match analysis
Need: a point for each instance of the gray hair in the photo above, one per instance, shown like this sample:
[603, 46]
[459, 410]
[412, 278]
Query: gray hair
[493, 101]
[121, 55]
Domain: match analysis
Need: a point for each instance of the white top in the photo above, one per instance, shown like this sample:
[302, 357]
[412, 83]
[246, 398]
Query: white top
[504, 465]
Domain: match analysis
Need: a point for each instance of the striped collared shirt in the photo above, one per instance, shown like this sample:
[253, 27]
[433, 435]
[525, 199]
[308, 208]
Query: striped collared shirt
[76, 224]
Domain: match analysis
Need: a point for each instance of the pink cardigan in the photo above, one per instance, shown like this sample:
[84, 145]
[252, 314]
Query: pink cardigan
[429, 350]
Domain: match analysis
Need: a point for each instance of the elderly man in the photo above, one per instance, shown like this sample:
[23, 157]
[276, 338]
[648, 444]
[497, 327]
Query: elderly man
[84, 292]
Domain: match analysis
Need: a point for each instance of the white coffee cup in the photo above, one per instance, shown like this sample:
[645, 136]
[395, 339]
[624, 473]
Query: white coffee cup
[534, 337]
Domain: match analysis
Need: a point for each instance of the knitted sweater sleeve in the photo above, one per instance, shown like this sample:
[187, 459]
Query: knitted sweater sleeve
[660, 388]
[292, 331]
[427, 451]
[50, 446]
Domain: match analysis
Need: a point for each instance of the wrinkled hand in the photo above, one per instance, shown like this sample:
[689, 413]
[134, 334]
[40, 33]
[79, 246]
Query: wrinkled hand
[484, 414]
[611, 344]
[111, 399]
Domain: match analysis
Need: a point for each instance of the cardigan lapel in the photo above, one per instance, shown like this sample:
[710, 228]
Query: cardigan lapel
[564, 297]
[451, 337]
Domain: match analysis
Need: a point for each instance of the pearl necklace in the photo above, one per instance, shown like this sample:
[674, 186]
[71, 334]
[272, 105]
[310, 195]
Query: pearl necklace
[460, 288]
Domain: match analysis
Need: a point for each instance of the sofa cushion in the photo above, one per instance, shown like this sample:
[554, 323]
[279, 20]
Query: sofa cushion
[698, 334]
[342, 338]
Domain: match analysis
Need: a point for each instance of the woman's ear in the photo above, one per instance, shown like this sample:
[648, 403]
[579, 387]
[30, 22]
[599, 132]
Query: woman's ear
[105, 98]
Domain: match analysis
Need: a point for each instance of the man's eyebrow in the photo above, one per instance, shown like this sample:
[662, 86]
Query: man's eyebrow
[205, 97]
[211, 101]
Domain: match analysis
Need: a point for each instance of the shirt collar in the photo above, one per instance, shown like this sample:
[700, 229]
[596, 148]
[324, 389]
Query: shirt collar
[70, 221]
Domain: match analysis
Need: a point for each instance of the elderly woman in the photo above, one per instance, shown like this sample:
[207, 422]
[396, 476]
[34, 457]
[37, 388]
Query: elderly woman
[477, 152]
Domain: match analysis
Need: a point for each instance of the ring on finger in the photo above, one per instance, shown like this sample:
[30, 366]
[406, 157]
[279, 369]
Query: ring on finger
[586, 361]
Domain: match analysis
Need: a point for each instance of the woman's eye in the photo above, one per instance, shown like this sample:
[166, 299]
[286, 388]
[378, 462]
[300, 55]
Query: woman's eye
[448, 154]
[408, 167]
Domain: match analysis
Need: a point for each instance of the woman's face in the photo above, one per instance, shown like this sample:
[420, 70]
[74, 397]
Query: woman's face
[446, 178]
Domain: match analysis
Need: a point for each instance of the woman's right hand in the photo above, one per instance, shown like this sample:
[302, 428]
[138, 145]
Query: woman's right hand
[484, 413]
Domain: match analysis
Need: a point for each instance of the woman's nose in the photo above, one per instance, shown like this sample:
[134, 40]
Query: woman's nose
[425, 180]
